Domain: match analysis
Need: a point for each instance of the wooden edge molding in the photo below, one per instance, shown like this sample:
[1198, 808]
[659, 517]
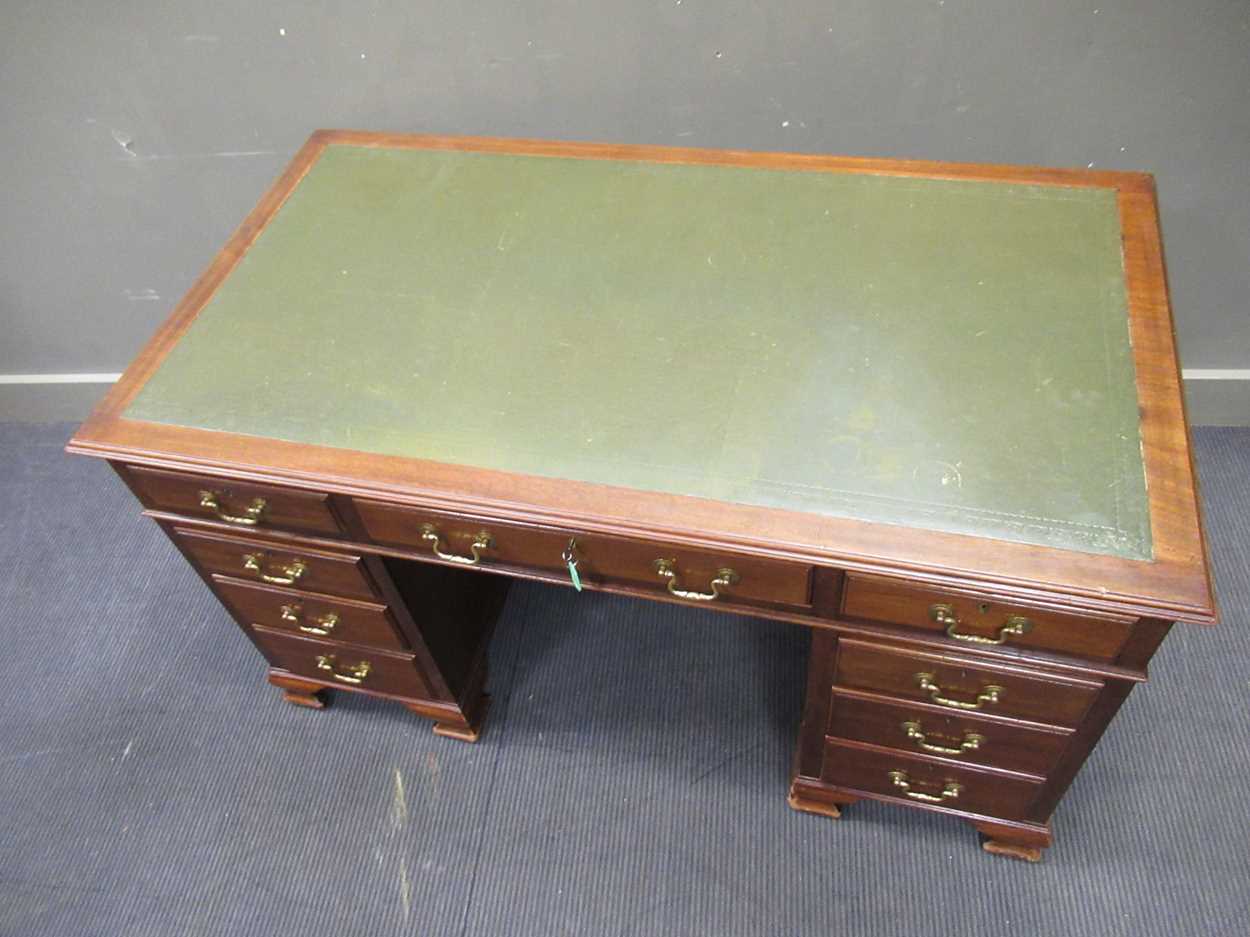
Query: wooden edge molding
[932, 169]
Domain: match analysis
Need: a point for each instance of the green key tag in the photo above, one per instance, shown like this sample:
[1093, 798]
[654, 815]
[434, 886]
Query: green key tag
[570, 557]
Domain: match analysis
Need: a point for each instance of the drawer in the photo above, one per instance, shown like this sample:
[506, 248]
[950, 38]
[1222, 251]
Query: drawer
[924, 729]
[343, 667]
[695, 575]
[348, 620]
[979, 622]
[962, 685]
[913, 779]
[243, 504]
[600, 560]
[461, 540]
[276, 564]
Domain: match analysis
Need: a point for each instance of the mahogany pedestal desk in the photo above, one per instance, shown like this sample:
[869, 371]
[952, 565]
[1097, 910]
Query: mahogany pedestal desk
[930, 411]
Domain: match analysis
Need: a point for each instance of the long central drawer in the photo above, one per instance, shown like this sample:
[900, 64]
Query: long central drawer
[685, 572]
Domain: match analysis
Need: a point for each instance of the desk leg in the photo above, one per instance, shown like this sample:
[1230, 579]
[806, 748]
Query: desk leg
[465, 720]
[300, 692]
[1015, 842]
[449, 615]
[472, 728]
[815, 798]
[807, 792]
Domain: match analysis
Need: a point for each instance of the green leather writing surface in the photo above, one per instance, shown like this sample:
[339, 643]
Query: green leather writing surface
[938, 354]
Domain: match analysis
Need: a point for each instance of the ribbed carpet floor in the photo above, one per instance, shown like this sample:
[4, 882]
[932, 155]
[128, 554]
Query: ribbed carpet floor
[631, 781]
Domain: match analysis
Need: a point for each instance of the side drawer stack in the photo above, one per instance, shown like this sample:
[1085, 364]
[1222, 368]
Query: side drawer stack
[938, 729]
[957, 703]
[322, 614]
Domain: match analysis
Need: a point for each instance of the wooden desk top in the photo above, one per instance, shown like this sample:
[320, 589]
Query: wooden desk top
[889, 365]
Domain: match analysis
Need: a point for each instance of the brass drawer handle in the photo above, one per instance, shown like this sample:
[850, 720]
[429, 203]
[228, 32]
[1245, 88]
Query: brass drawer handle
[355, 674]
[249, 518]
[988, 696]
[289, 574]
[725, 577]
[945, 615]
[950, 790]
[914, 731]
[323, 625]
[482, 541]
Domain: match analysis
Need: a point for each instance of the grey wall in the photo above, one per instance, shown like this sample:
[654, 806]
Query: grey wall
[136, 135]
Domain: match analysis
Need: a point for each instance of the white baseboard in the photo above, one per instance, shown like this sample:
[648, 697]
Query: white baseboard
[1216, 374]
[1218, 396]
[51, 398]
[101, 378]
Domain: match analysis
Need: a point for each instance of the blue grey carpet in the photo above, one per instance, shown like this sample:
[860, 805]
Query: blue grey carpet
[631, 781]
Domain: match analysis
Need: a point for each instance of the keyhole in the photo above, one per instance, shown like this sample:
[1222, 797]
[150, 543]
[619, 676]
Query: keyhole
[983, 607]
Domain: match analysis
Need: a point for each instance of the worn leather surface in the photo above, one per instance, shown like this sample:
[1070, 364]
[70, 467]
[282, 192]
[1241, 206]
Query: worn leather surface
[937, 354]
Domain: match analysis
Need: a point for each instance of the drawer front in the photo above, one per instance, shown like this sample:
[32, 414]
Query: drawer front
[912, 779]
[694, 575]
[347, 668]
[978, 622]
[242, 504]
[279, 565]
[922, 729]
[288, 610]
[462, 540]
[600, 560]
[963, 686]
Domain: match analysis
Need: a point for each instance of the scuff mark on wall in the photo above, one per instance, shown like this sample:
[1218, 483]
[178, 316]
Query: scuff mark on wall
[224, 154]
[125, 141]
